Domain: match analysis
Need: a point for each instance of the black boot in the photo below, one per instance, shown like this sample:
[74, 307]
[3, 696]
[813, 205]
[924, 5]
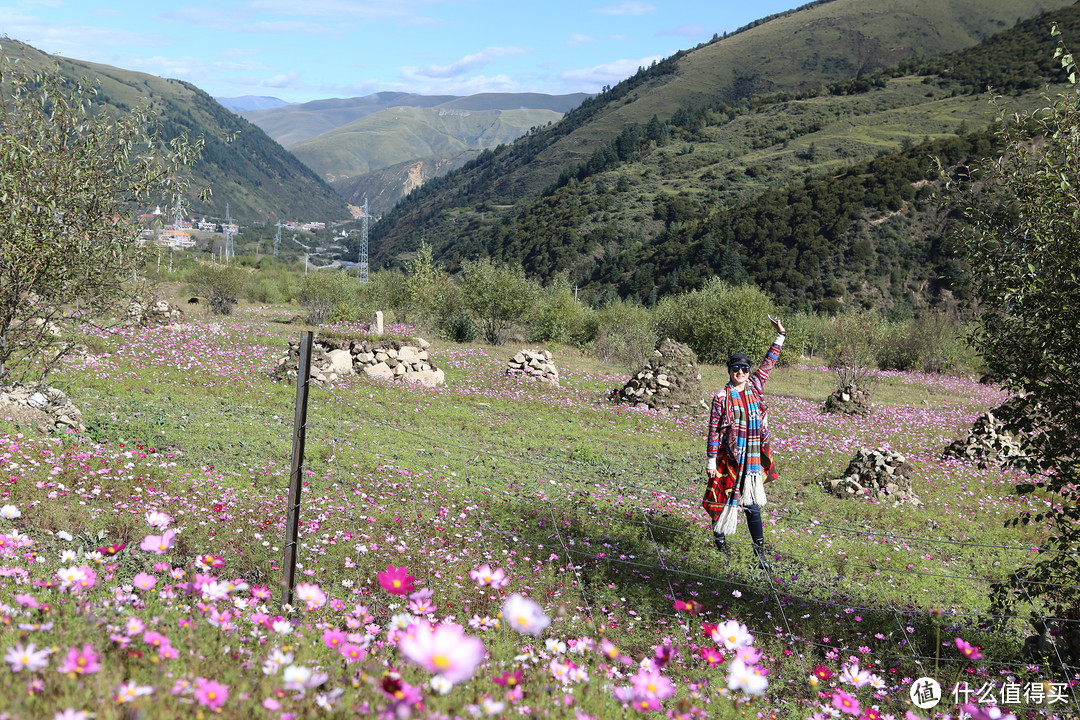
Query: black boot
[759, 551]
[721, 544]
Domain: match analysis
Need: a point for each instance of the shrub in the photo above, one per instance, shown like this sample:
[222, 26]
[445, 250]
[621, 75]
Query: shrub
[855, 346]
[718, 319]
[219, 283]
[329, 292]
[625, 332]
[557, 316]
[498, 295]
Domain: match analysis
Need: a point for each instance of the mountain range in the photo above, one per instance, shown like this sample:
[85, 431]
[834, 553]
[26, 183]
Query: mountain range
[795, 152]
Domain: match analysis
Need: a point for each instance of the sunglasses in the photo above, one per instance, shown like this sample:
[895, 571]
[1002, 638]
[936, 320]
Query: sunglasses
[737, 368]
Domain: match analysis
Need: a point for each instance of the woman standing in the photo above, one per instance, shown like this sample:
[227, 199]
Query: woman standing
[739, 458]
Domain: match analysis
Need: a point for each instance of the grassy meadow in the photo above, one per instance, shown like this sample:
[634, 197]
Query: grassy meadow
[140, 561]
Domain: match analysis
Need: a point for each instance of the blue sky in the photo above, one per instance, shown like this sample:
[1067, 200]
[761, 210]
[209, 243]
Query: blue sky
[300, 50]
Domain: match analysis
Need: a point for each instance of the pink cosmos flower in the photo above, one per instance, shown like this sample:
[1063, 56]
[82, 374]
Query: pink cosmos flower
[352, 653]
[749, 654]
[846, 703]
[159, 544]
[444, 650]
[28, 657]
[144, 581]
[311, 594]
[157, 519]
[81, 662]
[711, 655]
[396, 580]
[155, 639]
[524, 615]
[70, 714]
[486, 576]
[651, 684]
[971, 652]
[210, 693]
[333, 638]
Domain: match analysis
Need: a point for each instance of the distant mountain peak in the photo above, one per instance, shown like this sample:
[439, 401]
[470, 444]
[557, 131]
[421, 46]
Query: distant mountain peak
[244, 103]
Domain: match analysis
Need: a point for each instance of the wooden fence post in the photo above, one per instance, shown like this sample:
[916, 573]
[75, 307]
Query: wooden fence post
[296, 472]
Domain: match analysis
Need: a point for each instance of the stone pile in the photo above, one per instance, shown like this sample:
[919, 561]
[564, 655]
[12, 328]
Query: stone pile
[156, 311]
[988, 442]
[537, 364]
[881, 473]
[46, 407]
[670, 380]
[851, 400]
[333, 358]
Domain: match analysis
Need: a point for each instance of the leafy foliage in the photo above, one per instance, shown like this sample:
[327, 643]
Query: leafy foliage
[221, 283]
[1023, 244]
[717, 320]
[71, 179]
[497, 294]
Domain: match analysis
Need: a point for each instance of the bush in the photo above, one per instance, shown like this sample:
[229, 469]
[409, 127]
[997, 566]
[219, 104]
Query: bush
[557, 316]
[498, 295]
[932, 343]
[718, 320]
[219, 283]
[327, 293]
[625, 332]
[855, 346]
[807, 336]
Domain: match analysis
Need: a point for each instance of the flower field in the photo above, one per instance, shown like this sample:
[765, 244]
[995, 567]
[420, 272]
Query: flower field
[492, 547]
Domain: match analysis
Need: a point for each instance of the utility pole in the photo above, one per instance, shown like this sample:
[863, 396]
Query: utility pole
[296, 472]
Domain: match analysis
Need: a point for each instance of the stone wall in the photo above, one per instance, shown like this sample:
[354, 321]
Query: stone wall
[539, 364]
[155, 311]
[334, 358]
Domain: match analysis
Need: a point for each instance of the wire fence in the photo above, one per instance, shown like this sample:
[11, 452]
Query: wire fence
[911, 620]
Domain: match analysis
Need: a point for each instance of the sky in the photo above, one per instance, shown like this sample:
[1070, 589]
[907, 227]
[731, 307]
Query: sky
[302, 50]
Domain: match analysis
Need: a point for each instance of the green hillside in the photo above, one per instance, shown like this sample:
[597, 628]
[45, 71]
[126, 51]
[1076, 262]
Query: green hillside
[794, 52]
[253, 174]
[403, 133]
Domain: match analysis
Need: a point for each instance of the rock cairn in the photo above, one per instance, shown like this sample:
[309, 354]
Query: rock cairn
[988, 442]
[669, 381]
[883, 474]
[157, 311]
[46, 407]
[850, 399]
[333, 358]
[537, 364]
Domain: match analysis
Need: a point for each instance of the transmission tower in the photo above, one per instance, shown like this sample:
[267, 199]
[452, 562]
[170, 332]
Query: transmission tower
[362, 272]
[277, 239]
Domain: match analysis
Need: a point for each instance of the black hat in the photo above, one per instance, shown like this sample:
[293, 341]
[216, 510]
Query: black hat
[738, 359]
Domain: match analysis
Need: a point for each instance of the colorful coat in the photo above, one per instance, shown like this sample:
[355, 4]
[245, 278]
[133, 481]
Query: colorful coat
[738, 438]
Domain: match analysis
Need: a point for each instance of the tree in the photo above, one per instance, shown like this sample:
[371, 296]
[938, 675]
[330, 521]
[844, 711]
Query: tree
[1022, 242]
[717, 320]
[497, 294]
[72, 177]
[220, 283]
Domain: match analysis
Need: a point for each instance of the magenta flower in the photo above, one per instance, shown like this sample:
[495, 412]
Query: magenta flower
[333, 638]
[81, 662]
[444, 650]
[396, 580]
[210, 693]
[144, 581]
[154, 638]
[846, 703]
[159, 544]
[352, 653]
[971, 652]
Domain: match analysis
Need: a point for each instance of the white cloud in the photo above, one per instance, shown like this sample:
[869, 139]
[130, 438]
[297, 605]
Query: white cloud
[593, 78]
[462, 66]
[577, 39]
[629, 7]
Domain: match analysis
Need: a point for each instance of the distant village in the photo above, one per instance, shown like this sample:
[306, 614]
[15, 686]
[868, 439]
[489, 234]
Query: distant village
[176, 235]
